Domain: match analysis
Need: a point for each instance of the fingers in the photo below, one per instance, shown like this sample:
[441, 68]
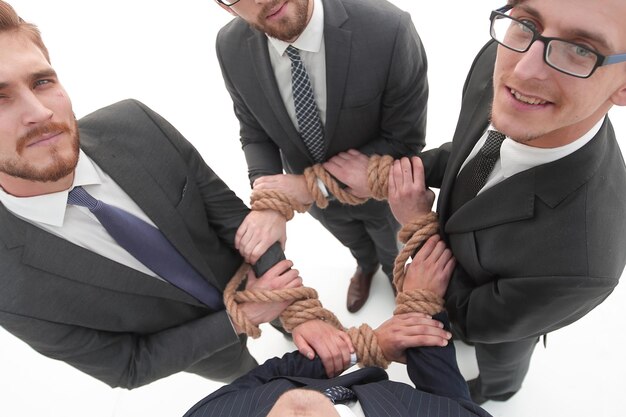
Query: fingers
[418, 171]
[303, 347]
[335, 354]
[414, 329]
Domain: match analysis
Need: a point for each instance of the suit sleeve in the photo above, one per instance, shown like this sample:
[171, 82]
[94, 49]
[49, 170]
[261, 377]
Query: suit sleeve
[434, 369]
[262, 154]
[403, 110]
[126, 360]
[517, 308]
[291, 364]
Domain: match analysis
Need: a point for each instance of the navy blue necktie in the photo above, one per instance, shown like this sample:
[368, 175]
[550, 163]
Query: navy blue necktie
[307, 113]
[339, 394]
[150, 247]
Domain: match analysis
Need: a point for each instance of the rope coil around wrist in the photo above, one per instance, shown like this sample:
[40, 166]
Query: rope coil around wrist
[377, 180]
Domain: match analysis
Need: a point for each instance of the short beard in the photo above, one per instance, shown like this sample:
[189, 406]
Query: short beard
[286, 30]
[523, 140]
[58, 169]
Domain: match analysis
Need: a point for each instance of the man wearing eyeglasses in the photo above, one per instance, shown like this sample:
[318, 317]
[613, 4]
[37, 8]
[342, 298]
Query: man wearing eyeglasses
[541, 240]
[365, 71]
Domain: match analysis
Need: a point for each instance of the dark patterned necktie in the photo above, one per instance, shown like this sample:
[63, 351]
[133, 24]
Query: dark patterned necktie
[150, 247]
[339, 394]
[475, 173]
[307, 113]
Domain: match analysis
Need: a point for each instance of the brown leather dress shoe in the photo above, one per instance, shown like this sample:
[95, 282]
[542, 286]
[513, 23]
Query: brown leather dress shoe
[359, 289]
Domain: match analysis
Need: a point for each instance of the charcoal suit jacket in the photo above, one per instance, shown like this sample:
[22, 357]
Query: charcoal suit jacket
[108, 320]
[542, 248]
[375, 81]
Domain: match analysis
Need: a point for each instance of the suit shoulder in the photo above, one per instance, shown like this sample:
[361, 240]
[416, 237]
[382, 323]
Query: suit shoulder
[124, 109]
[483, 64]
[233, 32]
[373, 8]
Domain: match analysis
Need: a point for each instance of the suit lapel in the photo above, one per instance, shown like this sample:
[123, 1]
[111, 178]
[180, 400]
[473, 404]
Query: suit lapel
[260, 61]
[469, 129]
[338, 43]
[47, 252]
[377, 400]
[141, 186]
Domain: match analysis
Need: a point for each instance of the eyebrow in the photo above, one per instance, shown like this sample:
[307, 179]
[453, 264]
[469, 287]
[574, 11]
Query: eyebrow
[574, 33]
[43, 74]
[34, 76]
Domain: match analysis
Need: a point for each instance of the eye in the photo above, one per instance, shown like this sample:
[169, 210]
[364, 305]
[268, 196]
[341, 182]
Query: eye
[528, 26]
[582, 51]
[42, 82]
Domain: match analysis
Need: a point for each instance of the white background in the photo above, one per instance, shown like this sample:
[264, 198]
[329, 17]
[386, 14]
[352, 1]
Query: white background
[162, 53]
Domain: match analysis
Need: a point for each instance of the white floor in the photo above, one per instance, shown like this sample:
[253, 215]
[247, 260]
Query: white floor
[162, 53]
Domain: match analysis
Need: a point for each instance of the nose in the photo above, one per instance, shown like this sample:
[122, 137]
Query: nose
[34, 110]
[531, 63]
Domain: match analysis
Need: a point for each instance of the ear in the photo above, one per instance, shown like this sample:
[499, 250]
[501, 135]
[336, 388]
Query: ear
[619, 97]
[228, 9]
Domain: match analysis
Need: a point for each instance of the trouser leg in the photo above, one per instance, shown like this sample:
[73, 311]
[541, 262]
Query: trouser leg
[503, 366]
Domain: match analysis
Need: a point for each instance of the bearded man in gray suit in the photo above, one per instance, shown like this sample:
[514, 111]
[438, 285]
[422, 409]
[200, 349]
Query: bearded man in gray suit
[367, 73]
[75, 293]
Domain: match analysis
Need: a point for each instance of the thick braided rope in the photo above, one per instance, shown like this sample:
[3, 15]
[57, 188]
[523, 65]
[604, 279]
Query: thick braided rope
[377, 179]
[421, 301]
[317, 171]
[378, 175]
[413, 235]
[305, 306]
[275, 200]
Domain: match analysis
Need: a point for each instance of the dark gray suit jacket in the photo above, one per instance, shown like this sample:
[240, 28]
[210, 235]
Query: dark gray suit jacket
[440, 390]
[376, 84]
[108, 320]
[539, 250]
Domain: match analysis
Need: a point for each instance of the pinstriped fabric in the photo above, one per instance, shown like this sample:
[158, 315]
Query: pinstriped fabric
[378, 399]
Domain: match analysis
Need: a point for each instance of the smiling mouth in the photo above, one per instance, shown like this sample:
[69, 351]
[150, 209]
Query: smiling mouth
[526, 99]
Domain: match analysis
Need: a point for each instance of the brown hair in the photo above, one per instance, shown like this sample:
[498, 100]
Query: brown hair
[11, 22]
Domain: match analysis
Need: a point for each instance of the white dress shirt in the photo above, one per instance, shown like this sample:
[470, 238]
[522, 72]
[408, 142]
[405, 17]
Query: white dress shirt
[76, 224]
[313, 54]
[516, 157]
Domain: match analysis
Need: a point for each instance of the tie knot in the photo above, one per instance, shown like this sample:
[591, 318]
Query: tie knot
[492, 145]
[339, 394]
[293, 53]
[79, 197]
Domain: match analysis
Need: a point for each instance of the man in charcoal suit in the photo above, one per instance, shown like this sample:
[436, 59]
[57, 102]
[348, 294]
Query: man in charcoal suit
[367, 73]
[67, 287]
[541, 240]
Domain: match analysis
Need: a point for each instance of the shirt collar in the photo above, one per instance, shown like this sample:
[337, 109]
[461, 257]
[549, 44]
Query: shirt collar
[516, 157]
[50, 208]
[310, 39]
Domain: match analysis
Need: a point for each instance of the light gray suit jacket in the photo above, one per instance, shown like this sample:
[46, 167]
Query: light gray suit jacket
[110, 321]
[376, 85]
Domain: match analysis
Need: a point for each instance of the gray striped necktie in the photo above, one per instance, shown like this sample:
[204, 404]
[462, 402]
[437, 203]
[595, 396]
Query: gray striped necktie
[307, 113]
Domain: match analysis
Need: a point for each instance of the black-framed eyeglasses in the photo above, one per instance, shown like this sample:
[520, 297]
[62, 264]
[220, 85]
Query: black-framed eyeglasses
[228, 2]
[564, 56]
